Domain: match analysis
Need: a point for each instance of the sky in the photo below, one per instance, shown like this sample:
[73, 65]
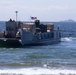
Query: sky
[44, 10]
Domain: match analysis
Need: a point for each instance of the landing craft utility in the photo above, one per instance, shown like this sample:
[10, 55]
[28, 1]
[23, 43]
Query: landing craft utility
[18, 34]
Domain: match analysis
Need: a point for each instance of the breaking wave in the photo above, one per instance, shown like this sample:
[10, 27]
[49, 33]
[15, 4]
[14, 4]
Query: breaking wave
[68, 39]
[37, 71]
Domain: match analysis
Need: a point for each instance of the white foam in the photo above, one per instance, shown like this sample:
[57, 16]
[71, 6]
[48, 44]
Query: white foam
[37, 71]
[67, 39]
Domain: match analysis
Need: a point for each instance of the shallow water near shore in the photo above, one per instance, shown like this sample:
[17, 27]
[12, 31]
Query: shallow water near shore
[56, 59]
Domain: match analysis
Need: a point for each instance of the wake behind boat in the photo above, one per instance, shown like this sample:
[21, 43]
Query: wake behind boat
[19, 34]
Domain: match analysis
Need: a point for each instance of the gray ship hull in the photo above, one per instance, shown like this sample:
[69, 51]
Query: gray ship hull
[48, 41]
[44, 42]
[4, 42]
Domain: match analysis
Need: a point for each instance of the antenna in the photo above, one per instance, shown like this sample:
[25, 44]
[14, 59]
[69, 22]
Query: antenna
[16, 15]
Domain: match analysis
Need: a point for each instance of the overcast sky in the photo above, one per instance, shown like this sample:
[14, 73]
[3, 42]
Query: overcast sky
[44, 10]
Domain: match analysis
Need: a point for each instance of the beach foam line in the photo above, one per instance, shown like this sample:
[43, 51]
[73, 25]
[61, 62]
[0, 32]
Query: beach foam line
[37, 71]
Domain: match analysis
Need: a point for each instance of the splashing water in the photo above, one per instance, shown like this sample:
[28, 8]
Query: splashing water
[68, 39]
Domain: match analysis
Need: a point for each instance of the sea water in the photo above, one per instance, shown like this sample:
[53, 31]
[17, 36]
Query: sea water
[55, 59]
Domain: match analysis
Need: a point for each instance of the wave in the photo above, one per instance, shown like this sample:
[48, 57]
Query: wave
[37, 71]
[68, 39]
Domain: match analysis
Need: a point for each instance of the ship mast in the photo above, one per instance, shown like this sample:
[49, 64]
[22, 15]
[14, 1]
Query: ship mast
[16, 15]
